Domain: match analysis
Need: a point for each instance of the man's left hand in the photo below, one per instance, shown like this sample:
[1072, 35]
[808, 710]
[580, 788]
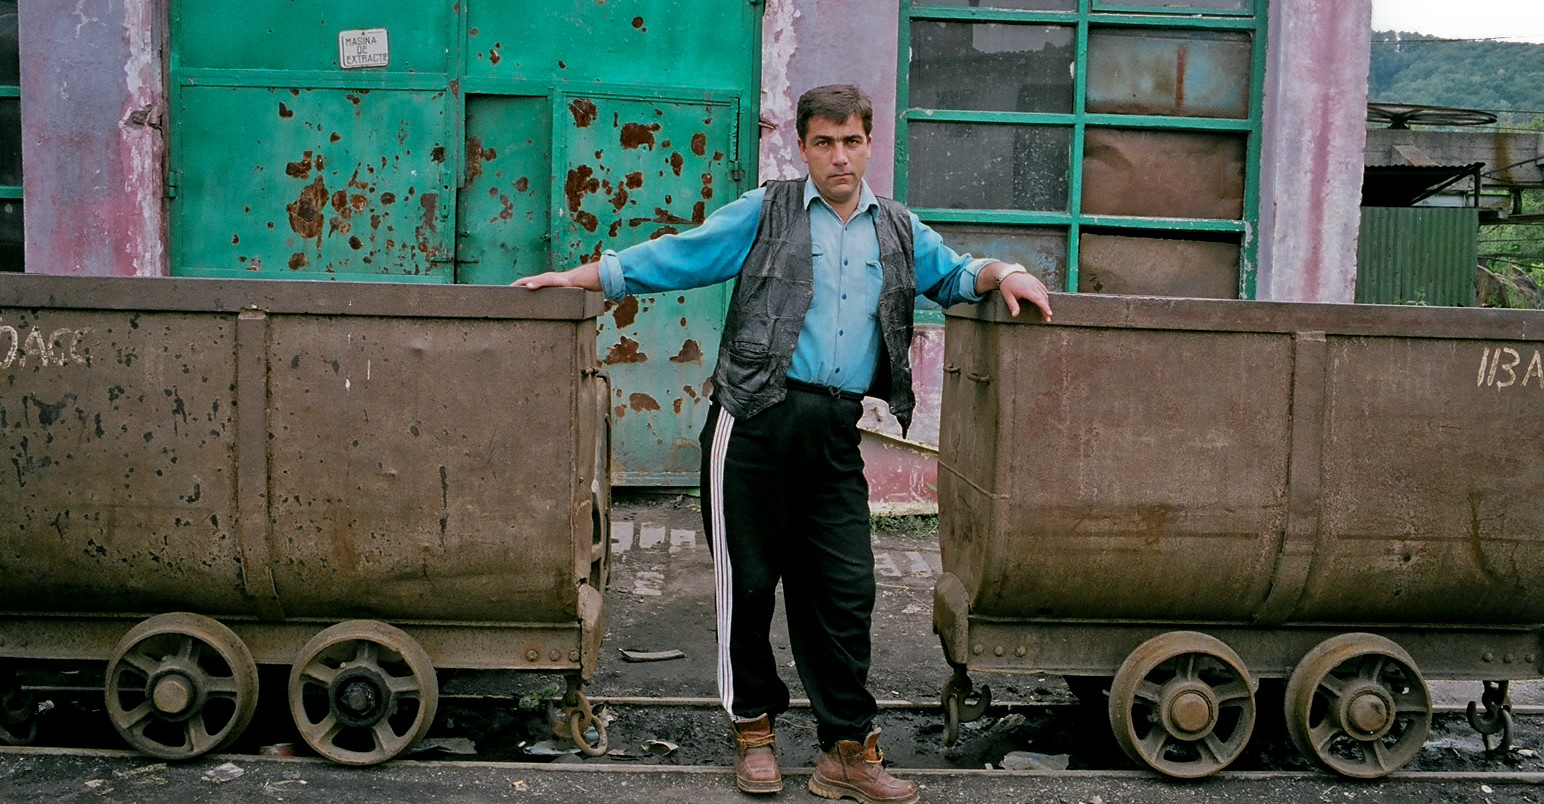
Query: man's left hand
[1026, 287]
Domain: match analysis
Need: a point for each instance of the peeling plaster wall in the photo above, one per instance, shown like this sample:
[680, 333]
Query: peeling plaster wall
[807, 43]
[1315, 98]
[92, 106]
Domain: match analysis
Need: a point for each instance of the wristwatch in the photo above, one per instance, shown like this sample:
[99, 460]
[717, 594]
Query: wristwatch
[1009, 271]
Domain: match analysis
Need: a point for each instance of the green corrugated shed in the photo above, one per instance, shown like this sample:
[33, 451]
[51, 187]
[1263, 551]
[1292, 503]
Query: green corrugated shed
[1417, 255]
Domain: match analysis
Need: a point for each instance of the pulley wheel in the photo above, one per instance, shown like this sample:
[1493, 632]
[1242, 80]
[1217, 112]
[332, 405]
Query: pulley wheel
[180, 685]
[362, 692]
[1358, 705]
[1182, 704]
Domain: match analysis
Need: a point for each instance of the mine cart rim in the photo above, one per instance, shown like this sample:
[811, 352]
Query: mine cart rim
[177, 686]
[1164, 677]
[1351, 691]
[361, 691]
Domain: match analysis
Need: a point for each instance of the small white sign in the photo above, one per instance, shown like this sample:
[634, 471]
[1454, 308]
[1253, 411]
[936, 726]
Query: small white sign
[365, 48]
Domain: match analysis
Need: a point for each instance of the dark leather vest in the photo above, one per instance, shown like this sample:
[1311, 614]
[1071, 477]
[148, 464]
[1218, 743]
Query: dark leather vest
[773, 294]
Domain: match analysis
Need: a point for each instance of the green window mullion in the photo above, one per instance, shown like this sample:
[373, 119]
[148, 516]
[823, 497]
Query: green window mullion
[1145, 21]
[903, 99]
[1079, 128]
[1250, 247]
[1163, 224]
[1013, 118]
[1167, 123]
[990, 15]
[10, 92]
[1017, 217]
[10, 192]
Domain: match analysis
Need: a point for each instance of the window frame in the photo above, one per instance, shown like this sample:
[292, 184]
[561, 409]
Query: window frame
[1073, 221]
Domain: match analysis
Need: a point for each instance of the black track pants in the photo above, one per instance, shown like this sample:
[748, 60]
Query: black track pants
[784, 498]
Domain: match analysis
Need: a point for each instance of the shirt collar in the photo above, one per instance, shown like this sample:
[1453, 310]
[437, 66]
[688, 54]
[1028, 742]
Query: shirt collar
[866, 197]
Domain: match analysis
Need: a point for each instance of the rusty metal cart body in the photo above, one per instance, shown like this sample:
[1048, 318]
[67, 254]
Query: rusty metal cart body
[363, 482]
[1192, 495]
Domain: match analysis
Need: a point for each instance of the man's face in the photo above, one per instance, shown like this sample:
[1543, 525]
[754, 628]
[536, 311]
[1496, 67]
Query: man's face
[837, 154]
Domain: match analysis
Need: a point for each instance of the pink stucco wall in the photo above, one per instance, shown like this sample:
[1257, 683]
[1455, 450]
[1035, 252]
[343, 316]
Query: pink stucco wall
[806, 44]
[1315, 100]
[92, 108]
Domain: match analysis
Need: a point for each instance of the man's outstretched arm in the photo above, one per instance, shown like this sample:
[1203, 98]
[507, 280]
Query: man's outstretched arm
[586, 276]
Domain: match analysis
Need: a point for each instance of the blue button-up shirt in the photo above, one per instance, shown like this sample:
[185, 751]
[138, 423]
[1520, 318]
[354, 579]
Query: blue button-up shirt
[839, 343]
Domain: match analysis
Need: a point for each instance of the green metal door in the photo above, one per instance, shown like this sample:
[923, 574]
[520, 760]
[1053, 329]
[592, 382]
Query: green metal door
[481, 142]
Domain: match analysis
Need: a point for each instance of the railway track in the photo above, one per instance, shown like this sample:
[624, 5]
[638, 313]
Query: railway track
[688, 732]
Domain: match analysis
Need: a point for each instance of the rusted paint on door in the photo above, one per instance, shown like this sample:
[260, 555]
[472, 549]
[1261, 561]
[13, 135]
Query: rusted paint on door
[639, 170]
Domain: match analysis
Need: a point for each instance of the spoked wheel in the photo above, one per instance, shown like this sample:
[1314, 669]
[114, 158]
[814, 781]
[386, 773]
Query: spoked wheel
[1182, 704]
[1358, 705]
[362, 692]
[180, 685]
[18, 712]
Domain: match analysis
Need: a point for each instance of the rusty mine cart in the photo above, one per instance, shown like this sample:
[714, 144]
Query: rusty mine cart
[1174, 499]
[359, 482]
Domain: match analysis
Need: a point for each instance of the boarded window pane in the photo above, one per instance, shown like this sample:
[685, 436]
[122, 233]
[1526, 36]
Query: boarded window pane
[1155, 266]
[11, 236]
[1178, 73]
[1163, 174]
[1029, 65]
[1043, 251]
[1174, 5]
[982, 166]
[1017, 5]
[10, 60]
[10, 142]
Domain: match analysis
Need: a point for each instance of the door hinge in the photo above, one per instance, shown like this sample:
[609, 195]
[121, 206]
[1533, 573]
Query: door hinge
[736, 173]
[173, 180]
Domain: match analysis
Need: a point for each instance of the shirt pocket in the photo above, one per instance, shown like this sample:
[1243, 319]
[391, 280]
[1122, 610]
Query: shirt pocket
[873, 283]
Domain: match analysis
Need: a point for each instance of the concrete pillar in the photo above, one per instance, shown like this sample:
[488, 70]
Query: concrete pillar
[1315, 98]
[92, 103]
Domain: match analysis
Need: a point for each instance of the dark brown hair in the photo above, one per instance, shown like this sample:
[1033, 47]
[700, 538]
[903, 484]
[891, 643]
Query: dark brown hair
[835, 102]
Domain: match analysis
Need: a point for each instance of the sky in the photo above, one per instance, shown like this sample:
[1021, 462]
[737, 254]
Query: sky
[1508, 20]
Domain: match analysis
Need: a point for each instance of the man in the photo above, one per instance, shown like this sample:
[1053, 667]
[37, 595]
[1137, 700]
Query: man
[826, 279]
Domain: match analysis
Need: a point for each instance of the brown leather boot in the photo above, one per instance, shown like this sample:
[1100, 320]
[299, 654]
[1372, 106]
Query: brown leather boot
[755, 763]
[854, 770]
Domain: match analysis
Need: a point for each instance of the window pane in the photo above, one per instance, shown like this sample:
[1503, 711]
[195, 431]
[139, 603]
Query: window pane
[10, 60]
[1157, 266]
[1164, 174]
[1042, 250]
[11, 236]
[10, 141]
[1177, 73]
[1174, 5]
[1030, 66]
[1014, 5]
[981, 166]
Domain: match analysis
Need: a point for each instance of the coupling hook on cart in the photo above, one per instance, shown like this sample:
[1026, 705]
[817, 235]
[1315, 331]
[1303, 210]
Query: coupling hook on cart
[580, 718]
[1497, 717]
[957, 709]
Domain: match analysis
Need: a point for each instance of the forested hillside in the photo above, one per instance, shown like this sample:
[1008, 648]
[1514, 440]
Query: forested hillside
[1430, 70]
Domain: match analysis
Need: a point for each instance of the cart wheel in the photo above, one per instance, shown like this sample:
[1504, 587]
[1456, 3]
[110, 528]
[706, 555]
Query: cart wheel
[1182, 704]
[958, 710]
[1358, 705]
[362, 692]
[18, 711]
[180, 685]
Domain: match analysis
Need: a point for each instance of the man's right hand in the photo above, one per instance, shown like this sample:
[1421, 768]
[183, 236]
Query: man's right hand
[586, 276]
